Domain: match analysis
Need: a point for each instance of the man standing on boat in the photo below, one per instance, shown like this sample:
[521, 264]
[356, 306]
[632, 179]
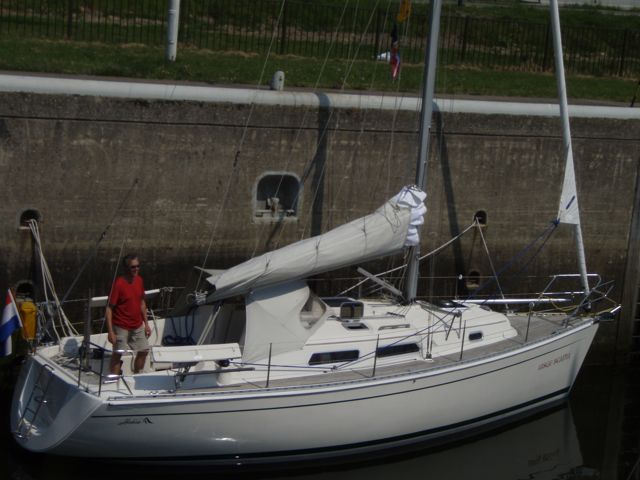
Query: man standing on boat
[127, 316]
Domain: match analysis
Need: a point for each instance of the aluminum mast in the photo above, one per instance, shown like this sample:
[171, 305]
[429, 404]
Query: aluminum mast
[568, 210]
[426, 112]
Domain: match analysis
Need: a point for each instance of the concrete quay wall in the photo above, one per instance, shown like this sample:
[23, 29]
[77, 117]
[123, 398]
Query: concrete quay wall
[75, 158]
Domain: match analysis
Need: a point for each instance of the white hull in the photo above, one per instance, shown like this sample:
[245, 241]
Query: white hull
[303, 422]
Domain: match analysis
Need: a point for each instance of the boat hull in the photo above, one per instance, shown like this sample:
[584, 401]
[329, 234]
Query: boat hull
[280, 424]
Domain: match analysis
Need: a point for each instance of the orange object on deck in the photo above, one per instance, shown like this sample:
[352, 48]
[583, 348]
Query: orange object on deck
[28, 312]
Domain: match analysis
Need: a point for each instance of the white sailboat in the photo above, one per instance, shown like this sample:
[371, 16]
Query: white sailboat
[278, 373]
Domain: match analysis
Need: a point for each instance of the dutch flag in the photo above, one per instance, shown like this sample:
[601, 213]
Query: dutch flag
[10, 323]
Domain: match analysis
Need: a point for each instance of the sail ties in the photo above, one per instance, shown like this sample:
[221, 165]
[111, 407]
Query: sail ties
[412, 197]
[381, 233]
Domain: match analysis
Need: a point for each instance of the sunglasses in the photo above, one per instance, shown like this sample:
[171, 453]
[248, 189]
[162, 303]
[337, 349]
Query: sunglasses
[134, 267]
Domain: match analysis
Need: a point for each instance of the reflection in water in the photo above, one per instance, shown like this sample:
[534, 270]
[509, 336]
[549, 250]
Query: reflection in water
[547, 446]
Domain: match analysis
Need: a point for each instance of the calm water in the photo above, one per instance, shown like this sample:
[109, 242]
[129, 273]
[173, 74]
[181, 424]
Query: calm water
[595, 436]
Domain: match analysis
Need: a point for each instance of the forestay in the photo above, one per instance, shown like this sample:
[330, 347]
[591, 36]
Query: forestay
[382, 233]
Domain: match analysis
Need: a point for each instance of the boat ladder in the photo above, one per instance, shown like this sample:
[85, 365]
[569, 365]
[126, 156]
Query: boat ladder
[37, 398]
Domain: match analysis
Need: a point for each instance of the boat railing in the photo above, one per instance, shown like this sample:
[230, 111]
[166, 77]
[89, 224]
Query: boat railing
[84, 365]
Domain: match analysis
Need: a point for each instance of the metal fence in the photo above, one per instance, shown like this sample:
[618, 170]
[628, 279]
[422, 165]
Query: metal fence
[313, 29]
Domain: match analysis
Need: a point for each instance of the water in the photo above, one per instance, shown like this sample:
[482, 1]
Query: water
[596, 435]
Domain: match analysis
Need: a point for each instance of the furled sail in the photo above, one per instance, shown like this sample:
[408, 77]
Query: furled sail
[568, 211]
[382, 233]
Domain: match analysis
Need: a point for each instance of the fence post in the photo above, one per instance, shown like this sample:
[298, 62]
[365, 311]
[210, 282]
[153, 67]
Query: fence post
[376, 44]
[545, 53]
[464, 38]
[283, 27]
[173, 20]
[69, 18]
[183, 22]
[623, 53]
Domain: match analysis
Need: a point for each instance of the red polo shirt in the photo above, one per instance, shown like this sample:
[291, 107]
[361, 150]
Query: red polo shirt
[125, 301]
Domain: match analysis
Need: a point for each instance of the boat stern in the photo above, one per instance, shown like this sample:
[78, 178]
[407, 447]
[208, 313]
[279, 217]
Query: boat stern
[46, 408]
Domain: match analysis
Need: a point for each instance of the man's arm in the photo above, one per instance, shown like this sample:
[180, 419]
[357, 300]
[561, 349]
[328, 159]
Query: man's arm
[112, 301]
[143, 309]
[111, 335]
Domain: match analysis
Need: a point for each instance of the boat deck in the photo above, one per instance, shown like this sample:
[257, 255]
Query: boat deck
[137, 386]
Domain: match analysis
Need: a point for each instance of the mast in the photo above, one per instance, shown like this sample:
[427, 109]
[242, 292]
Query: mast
[568, 211]
[431, 57]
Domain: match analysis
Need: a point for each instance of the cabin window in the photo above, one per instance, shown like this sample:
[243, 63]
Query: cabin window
[481, 217]
[401, 349]
[26, 216]
[337, 301]
[333, 357]
[475, 336]
[312, 310]
[277, 197]
[351, 310]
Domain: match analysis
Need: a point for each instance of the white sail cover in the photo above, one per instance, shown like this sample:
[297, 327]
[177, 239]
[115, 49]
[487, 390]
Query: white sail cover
[568, 211]
[273, 321]
[384, 232]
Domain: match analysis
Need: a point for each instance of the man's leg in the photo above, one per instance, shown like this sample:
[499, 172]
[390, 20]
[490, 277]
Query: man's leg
[138, 342]
[114, 366]
[138, 364]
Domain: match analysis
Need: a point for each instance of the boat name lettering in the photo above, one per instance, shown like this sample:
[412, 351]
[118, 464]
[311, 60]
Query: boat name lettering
[544, 457]
[555, 361]
[135, 421]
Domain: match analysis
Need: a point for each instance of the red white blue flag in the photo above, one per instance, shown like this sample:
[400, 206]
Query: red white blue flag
[10, 323]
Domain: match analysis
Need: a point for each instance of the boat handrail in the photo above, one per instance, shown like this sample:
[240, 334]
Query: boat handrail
[102, 377]
[195, 353]
[181, 375]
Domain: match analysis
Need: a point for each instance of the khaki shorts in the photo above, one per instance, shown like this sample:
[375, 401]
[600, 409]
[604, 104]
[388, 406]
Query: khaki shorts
[131, 339]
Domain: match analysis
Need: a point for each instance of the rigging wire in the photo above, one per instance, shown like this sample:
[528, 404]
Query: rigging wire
[302, 127]
[358, 141]
[426, 255]
[100, 239]
[326, 127]
[49, 287]
[486, 249]
[242, 141]
[545, 235]
[113, 278]
[236, 160]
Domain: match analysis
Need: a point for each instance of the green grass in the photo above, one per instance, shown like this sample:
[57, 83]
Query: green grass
[225, 68]
[505, 34]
